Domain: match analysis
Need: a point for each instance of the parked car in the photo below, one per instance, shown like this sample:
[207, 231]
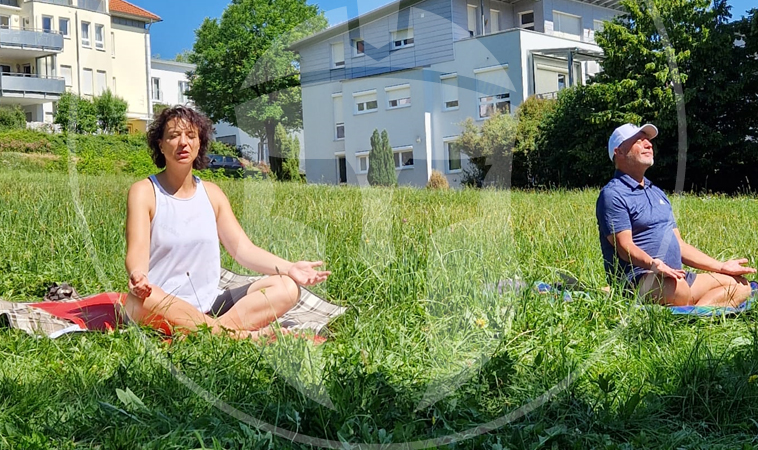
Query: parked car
[225, 163]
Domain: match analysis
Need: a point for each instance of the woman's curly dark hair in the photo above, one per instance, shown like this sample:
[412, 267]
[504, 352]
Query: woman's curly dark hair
[189, 115]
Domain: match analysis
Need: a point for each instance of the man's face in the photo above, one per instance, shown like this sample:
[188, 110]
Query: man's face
[636, 151]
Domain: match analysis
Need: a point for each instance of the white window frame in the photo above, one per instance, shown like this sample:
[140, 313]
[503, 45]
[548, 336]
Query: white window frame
[86, 28]
[448, 142]
[155, 94]
[67, 21]
[563, 34]
[365, 110]
[114, 86]
[494, 100]
[101, 75]
[404, 102]
[408, 40]
[397, 157]
[7, 20]
[527, 25]
[337, 64]
[70, 81]
[356, 52]
[598, 25]
[91, 83]
[100, 44]
[445, 107]
[469, 16]
[565, 81]
[361, 157]
[337, 125]
[494, 21]
[183, 86]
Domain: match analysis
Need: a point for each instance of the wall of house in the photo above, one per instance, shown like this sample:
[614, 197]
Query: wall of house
[589, 13]
[169, 73]
[130, 68]
[433, 41]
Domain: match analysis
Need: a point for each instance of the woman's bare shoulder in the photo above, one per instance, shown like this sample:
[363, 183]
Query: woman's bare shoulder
[142, 189]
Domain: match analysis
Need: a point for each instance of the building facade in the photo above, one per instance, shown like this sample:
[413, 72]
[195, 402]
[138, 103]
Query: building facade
[81, 46]
[419, 69]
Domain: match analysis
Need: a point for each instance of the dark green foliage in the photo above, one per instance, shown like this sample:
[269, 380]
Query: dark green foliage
[381, 163]
[12, 118]
[691, 76]
[111, 112]
[530, 115]
[245, 75]
[158, 108]
[490, 150]
[76, 114]
[219, 148]
[290, 149]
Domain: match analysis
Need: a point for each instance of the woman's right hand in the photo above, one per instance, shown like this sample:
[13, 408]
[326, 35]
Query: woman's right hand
[139, 286]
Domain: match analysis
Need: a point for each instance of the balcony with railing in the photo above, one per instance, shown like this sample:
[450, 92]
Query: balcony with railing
[90, 5]
[30, 87]
[29, 42]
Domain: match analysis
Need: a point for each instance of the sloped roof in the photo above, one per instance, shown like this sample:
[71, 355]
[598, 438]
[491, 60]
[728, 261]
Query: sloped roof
[124, 7]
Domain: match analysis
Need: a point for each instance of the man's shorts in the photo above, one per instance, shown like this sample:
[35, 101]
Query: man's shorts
[689, 277]
[227, 299]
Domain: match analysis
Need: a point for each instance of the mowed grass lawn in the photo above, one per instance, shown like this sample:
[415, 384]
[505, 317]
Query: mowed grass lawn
[426, 350]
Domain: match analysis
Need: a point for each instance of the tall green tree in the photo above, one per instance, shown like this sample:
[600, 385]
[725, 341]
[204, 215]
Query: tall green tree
[245, 73]
[680, 62]
[76, 114]
[381, 163]
[490, 149]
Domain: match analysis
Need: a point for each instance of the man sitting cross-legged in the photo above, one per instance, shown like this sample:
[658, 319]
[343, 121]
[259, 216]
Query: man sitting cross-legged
[640, 240]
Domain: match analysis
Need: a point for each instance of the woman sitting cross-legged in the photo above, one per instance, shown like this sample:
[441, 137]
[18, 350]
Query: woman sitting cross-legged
[174, 223]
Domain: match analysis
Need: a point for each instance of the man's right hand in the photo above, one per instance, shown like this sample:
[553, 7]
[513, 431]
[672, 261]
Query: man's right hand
[660, 267]
[139, 286]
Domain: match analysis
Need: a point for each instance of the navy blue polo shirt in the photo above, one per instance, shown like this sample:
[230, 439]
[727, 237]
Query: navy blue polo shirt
[624, 204]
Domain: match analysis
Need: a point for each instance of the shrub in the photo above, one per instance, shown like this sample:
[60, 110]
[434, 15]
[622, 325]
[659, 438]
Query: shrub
[111, 113]
[76, 114]
[289, 148]
[381, 165]
[437, 181]
[12, 118]
[219, 148]
[490, 149]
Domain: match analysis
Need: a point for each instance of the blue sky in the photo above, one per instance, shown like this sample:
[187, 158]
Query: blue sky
[182, 17]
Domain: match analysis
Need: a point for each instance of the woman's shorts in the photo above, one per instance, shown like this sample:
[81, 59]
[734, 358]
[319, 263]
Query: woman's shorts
[227, 299]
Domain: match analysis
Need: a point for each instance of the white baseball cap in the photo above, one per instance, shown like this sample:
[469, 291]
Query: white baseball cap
[625, 132]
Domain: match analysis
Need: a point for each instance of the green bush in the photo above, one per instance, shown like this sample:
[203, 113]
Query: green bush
[219, 148]
[12, 118]
[111, 113]
[289, 148]
[76, 114]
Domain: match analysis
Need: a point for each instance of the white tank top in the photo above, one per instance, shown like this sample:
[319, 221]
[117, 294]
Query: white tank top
[185, 259]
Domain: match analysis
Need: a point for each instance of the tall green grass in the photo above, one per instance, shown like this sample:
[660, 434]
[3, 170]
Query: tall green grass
[426, 349]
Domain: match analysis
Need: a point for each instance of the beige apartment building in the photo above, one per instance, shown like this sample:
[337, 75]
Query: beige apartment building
[82, 46]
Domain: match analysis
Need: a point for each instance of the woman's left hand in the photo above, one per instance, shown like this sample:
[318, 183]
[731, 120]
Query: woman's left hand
[304, 273]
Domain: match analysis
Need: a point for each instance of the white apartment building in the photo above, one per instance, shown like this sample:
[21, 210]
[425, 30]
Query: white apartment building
[83, 46]
[419, 68]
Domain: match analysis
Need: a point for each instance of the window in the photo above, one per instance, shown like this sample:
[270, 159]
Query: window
[63, 24]
[114, 86]
[101, 82]
[47, 24]
[156, 89]
[5, 68]
[338, 55]
[129, 22]
[561, 81]
[365, 102]
[494, 21]
[492, 90]
[113, 44]
[453, 152]
[359, 47]
[5, 22]
[85, 34]
[526, 20]
[568, 26]
[472, 16]
[402, 38]
[87, 81]
[403, 157]
[99, 37]
[362, 160]
[183, 88]
[598, 25]
[449, 83]
[398, 96]
[67, 75]
[339, 121]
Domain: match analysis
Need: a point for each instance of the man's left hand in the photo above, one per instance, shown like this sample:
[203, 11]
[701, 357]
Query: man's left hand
[304, 273]
[735, 267]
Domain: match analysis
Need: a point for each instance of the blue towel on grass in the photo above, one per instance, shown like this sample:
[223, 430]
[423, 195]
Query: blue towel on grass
[718, 311]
